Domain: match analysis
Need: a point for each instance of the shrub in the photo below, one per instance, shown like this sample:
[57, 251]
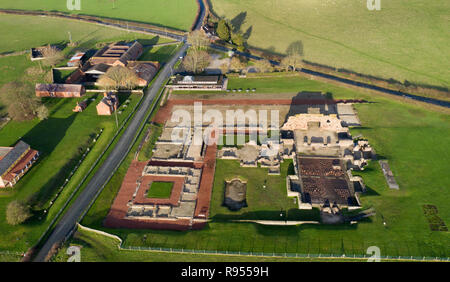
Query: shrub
[17, 212]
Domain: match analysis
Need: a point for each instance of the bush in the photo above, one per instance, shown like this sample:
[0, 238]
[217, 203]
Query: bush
[17, 212]
[42, 112]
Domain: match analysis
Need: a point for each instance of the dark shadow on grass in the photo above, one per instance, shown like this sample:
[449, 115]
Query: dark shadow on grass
[292, 214]
[149, 42]
[44, 137]
[238, 21]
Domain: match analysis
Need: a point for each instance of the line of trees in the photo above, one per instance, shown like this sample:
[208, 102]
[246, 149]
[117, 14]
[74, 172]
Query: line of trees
[225, 32]
[197, 57]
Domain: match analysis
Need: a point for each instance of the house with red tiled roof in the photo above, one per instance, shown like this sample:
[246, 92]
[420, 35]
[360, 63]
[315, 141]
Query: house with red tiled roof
[15, 162]
[108, 104]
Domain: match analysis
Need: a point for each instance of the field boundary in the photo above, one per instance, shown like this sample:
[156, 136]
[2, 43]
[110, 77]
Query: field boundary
[259, 254]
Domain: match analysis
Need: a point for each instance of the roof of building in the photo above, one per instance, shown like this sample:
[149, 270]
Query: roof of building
[98, 69]
[109, 99]
[198, 79]
[76, 58]
[144, 70]
[121, 51]
[12, 156]
[59, 87]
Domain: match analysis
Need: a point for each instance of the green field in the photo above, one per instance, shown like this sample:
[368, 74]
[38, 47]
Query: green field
[409, 136]
[20, 33]
[178, 14]
[61, 139]
[160, 190]
[405, 40]
[65, 135]
[99, 248]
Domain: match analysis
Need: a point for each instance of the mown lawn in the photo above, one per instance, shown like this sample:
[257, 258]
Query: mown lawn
[178, 14]
[266, 195]
[160, 190]
[411, 137]
[405, 40]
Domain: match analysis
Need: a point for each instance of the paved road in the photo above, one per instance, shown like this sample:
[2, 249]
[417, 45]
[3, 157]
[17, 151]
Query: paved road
[101, 177]
[68, 222]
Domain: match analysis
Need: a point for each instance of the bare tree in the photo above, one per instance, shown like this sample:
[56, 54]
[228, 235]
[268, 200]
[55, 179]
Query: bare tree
[20, 100]
[118, 77]
[225, 67]
[294, 58]
[264, 65]
[293, 62]
[198, 40]
[196, 61]
[52, 55]
[237, 64]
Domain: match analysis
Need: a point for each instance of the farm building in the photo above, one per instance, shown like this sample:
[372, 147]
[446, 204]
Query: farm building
[76, 60]
[108, 104]
[15, 162]
[118, 54]
[59, 90]
[145, 71]
[80, 106]
[201, 82]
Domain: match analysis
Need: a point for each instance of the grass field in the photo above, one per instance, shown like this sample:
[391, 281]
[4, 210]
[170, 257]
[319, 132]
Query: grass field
[405, 40]
[160, 190]
[95, 248]
[178, 14]
[62, 138]
[158, 53]
[24, 32]
[411, 137]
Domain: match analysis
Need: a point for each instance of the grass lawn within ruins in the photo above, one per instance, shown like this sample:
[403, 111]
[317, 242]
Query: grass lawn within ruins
[409, 136]
[160, 190]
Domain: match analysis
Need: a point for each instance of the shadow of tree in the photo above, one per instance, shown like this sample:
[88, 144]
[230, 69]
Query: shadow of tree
[238, 21]
[295, 48]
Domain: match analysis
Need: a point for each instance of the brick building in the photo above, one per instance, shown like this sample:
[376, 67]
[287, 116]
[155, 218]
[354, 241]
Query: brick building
[108, 104]
[15, 162]
[59, 90]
